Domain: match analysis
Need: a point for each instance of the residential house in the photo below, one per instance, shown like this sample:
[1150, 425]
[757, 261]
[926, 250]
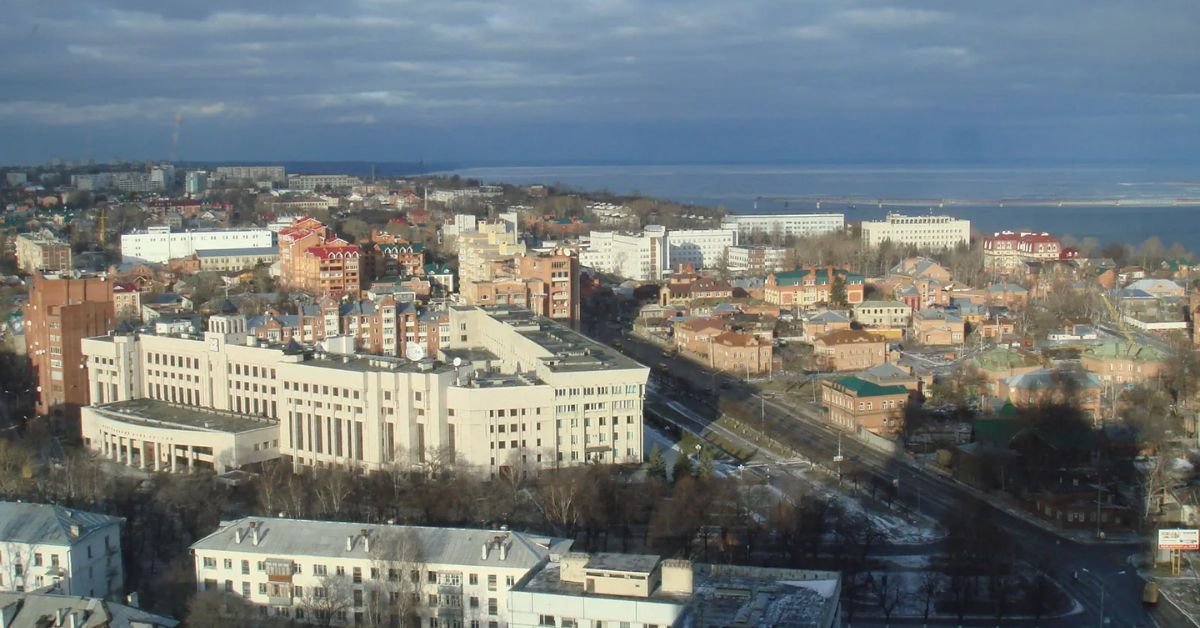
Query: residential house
[884, 314]
[823, 322]
[1048, 385]
[936, 327]
[1123, 363]
[849, 350]
[1001, 363]
[74, 551]
[857, 404]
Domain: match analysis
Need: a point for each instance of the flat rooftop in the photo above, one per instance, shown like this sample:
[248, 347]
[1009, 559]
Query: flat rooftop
[572, 350]
[154, 413]
[548, 580]
[636, 563]
[375, 363]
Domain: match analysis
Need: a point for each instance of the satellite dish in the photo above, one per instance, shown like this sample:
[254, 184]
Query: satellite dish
[457, 362]
[415, 352]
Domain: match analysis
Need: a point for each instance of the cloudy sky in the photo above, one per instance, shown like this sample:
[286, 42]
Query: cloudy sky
[548, 81]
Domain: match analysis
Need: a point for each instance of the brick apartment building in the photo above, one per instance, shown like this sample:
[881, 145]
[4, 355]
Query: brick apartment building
[1007, 251]
[382, 326]
[314, 261]
[61, 312]
[387, 255]
[43, 252]
[850, 350]
[546, 284]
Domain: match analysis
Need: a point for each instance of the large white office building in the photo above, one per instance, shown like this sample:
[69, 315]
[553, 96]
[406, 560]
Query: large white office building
[926, 232]
[638, 256]
[75, 551]
[275, 174]
[369, 574]
[315, 181]
[702, 248]
[157, 245]
[785, 224]
[526, 394]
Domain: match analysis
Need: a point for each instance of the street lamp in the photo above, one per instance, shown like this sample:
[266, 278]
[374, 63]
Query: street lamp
[1100, 585]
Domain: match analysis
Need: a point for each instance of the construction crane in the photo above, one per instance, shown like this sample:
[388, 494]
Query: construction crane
[1117, 320]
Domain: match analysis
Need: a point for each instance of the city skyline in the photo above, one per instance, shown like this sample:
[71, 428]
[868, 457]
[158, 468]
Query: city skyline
[614, 81]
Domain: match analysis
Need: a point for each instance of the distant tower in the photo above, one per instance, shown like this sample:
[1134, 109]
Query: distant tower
[102, 225]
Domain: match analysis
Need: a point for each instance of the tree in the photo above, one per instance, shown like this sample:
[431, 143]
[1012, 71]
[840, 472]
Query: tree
[891, 593]
[837, 291]
[563, 494]
[682, 467]
[357, 229]
[656, 465]
[930, 588]
[325, 601]
[392, 597]
[217, 609]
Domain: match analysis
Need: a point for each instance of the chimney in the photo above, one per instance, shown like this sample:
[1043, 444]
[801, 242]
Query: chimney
[503, 550]
[484, 555]
[254, 533]
[133, 600]
[349, 543]
[237, 536]
[366, 540]
[58, 617]
[73, 619]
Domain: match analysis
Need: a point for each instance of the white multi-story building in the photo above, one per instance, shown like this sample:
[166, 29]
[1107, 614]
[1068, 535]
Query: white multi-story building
[926, 232]
[195, 182]
[43, 545]
[15, 179]
[274, 174]
[756, 259]
[157, 245]
[92, 182]
[370, 574]
[785, 224]
[314, 181]
[702, 248]
[526, 394]
[641, 257]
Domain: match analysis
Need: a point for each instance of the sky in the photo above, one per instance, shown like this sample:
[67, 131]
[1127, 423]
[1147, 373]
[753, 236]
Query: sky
[616, 81]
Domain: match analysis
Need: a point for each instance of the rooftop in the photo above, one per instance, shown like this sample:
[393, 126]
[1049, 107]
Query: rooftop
[864, 388]
[1003, 359]
[151, 412]
[293, 538]
[39, 610]
[1126, 351]
[246, 252]
[47, 524]
[632, 563]
[849, 336]
[571, 350]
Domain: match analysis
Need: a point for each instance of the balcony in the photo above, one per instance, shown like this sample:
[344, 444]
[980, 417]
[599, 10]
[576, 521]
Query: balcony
[449, 612]
[279, 600]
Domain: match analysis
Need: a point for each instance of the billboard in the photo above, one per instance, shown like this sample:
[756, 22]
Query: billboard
[1179, 539]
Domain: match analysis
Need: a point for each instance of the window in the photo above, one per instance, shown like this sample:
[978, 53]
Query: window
[508, 580]
[491, 582]
[341, 570]
[493, 606]
[245, 567]
[245, 589]
[210, 562]
[319, 570]
[228, 563]
[474, 602]
[37, 559]
[473, 579]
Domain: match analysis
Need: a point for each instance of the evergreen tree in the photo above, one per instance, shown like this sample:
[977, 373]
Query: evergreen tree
[837, 291]
[682, 467]
[657, 465]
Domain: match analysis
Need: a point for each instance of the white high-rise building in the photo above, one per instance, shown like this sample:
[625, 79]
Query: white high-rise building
[45, 545]
[315, 181]
[195, 182]
[274, 174]
[526, 394]
[926, 232]
[784, 224]
[641, 257]
[157, 245]
[702, 248]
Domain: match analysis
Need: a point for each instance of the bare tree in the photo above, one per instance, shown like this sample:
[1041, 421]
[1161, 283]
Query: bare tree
[332, 488]
[327, 602]
[563, 494]
[393, 596]
[930, 588]
[891, 593]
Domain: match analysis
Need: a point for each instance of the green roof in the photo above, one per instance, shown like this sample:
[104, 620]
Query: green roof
[996, 431]
[1126, 351]
[863, 388]
[798, 276]
[1003, 359]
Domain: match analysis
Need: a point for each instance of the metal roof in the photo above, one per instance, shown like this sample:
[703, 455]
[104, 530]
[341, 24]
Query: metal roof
[47, 524]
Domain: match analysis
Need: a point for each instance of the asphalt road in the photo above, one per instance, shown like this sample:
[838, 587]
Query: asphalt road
[1107, 565]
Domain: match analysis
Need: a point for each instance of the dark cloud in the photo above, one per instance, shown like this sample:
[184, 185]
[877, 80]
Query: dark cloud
[604, 79]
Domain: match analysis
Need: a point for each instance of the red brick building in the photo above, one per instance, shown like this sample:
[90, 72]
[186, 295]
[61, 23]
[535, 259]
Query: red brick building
[61, 312]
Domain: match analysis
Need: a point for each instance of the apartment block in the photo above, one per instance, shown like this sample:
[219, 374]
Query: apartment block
[235, 174]
[525, 393]
[63, 310]
[228, 260]
[700, 248]
[158, 245]
[387, 255]
[342, 573]
[1008, 251]
[784, 224]
[641, 256]
[884, 314]
[75, 551]
[313, 260]
[750, 259]
[546, 284]
[926, 232]
[381, 326]
[319, 181]
[42, 252]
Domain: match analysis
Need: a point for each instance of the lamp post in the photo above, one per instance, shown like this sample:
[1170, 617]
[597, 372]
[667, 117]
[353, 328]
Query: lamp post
[1099, 585]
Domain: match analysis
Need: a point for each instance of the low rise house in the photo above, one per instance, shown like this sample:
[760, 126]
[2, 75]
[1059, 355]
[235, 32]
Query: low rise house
[1124, 363]
[74, 551]
[824, 322]
[1001, 363]
[889, 374]
[936, 327]
[849, 350]
[1048, 385]
[891, 314]
[809, 286]
[857, 404]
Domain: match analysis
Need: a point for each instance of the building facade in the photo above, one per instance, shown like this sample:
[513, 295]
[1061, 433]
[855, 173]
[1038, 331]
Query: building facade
[42, 252]
[158, 245]
[925, 232]
[235, 174]
[61, 312]
[784, 224]
[479, 250]
[526, 393]
[849, 350]
[892, 314]
[43, 545]
[856, 404]
[640, 257]
[1007, 251]
[805, 287]
[750, 259]
[317, 181]
[226, 260]
[701, 248]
